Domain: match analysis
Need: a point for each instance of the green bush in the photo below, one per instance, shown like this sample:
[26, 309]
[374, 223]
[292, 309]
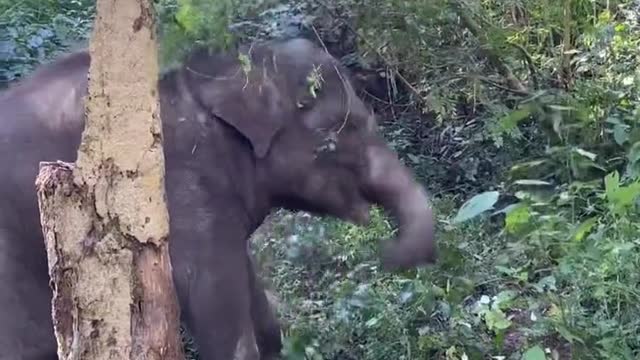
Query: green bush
[33, 32]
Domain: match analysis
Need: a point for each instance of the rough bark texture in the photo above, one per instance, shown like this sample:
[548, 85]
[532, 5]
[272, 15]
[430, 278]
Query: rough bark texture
[105, 220]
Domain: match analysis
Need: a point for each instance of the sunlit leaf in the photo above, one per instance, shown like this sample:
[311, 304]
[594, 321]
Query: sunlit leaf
[516, 219]
[496, 320]
[612, 183]
[476, 206]
[513, 118]
[557, 122]
[531, 182]
[405, 296]
[561, 107]
[625, 195]
[528, 164]
[628, 80]
[372, 322]
[584, 228]
[507, 209]
[591, 156]
[620, 197]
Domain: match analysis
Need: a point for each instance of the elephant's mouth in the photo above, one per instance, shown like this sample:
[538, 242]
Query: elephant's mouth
[359, 213]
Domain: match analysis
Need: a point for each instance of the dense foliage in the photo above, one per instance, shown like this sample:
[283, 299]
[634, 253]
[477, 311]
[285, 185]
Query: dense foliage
[519, 115]
[33, 31]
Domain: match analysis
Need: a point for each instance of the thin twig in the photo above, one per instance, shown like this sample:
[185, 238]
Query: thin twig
[533, 70]
[373, 48]
[342, 79]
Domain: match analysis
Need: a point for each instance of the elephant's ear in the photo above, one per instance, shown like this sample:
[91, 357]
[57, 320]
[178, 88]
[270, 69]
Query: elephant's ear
[249, 101]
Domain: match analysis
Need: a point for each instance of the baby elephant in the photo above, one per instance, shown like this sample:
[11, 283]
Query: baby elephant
[288, 131]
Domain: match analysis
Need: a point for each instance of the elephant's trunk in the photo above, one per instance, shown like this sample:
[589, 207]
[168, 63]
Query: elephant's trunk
[389, 183]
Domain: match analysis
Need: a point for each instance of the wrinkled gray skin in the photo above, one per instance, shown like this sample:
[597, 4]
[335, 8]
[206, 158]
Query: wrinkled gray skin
[237, 145]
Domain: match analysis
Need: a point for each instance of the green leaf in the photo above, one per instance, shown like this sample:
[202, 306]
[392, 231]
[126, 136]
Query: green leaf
[513, 118]
[620, 134]
[507, 209]
[505, 270]
[476, 206]
[584, 228]
[504, 299]
[625, 196]
[496, 320]
[620, 197]
[534, 353]
[567, 335]
[611, 183]
[517, 219]
[634, 153]
[187, 17]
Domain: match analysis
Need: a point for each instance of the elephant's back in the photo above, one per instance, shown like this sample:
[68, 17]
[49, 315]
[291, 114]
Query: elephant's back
[51, 98]
[41, 119]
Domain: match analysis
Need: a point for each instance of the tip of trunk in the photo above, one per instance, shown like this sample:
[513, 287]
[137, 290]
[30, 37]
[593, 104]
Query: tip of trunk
[414, 246]
[392, 185]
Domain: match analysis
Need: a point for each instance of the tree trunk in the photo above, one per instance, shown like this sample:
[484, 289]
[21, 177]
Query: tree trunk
[566, 76]
[105, 219]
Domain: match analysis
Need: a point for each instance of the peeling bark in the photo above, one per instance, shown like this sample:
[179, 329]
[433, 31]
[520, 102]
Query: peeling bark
[105, 218]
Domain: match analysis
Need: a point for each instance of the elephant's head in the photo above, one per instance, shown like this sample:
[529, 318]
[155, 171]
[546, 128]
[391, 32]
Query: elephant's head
[315, 143]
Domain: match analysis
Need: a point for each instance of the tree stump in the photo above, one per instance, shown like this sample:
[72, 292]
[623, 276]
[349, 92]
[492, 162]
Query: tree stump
[105, 218]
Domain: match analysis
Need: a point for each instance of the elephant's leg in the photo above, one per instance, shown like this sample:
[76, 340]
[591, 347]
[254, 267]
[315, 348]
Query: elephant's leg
[218, 314]
[265, 320]
[26, 329]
